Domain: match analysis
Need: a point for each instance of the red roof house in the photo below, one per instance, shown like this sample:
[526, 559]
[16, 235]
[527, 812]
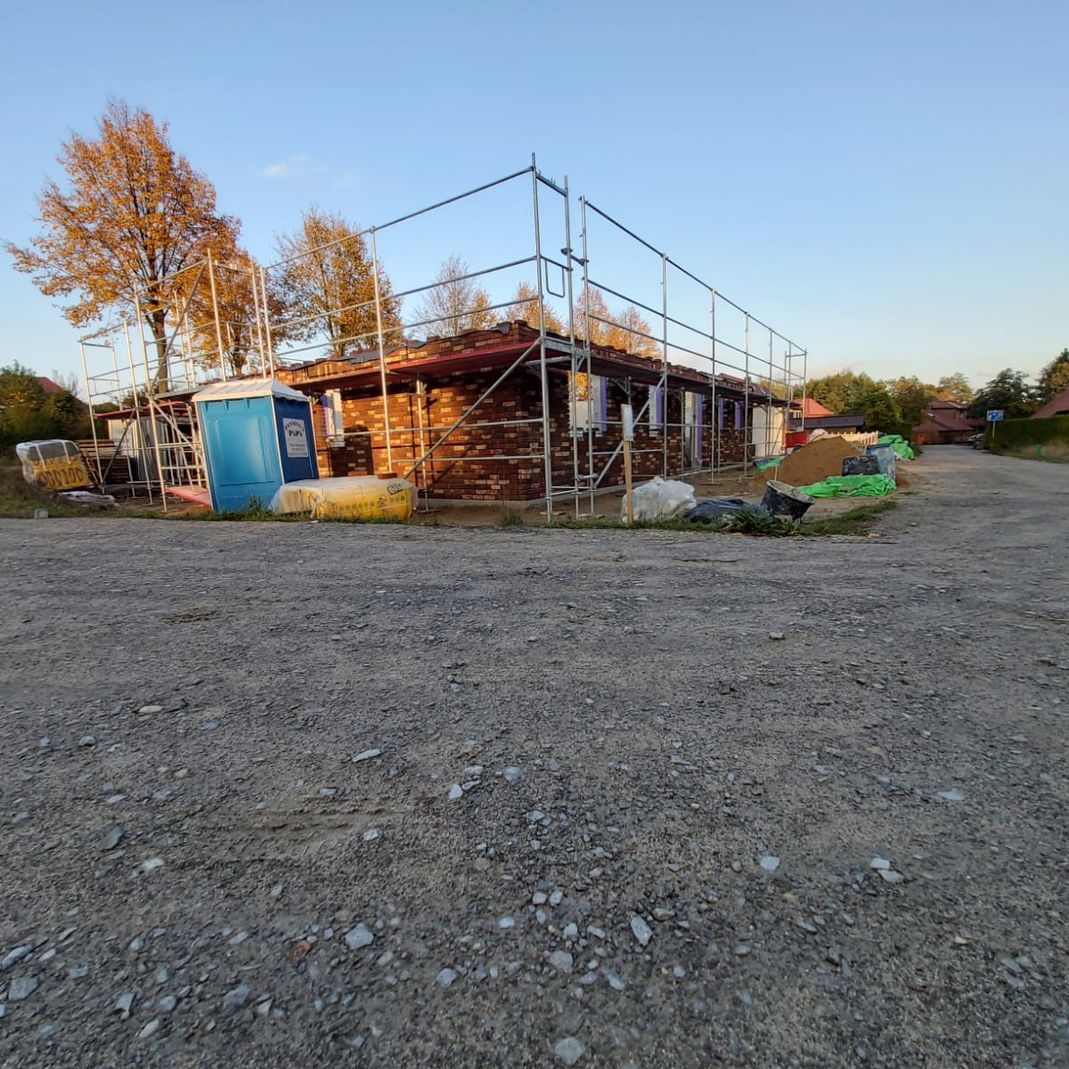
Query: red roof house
[1058, 405]
[945, 422]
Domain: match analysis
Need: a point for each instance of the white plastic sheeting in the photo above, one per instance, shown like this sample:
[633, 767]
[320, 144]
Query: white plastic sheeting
[660, 499]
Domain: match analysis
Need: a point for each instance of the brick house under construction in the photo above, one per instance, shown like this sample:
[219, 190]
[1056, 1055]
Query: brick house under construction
[496, 452]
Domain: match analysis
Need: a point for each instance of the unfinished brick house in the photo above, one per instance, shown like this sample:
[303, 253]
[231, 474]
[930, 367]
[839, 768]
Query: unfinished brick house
[496, 453]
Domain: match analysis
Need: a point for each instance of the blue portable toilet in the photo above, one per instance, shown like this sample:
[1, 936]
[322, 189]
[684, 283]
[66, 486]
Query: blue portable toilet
[257, 435]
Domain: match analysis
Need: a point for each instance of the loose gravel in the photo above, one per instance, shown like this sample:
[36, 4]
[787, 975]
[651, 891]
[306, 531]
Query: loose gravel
[620, 822]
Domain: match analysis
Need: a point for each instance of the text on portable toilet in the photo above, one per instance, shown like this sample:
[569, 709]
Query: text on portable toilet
[296, 436]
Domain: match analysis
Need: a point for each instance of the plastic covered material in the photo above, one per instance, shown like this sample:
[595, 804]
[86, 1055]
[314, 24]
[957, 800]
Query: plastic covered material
[898, 444]
[365, 497]
[885, 458]
[712, 508]
[659, 499]
[866, 465]
[851, 486]
[782, 499]
[768, 462]
[53, 464]
[87, 499]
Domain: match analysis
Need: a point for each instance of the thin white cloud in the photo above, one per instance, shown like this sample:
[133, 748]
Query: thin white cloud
[303, 166]
[298, 166]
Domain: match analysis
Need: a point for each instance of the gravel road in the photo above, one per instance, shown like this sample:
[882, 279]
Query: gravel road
[314, 794]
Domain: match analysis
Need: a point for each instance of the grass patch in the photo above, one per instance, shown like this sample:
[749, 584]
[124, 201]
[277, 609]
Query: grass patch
[1051, 453]
[857, 521]
[19, 500]
[511, 518]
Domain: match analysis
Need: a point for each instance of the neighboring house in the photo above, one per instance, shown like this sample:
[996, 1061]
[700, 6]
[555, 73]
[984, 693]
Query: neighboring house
[1058, 405]
[50, 386]
[810, 415]
[944, 423]
[497, 453]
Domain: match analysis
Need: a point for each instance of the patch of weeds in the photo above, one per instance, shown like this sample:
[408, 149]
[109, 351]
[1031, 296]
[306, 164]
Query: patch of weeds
[857, 521]
[19, 500]
[511, 517]
[255, 513]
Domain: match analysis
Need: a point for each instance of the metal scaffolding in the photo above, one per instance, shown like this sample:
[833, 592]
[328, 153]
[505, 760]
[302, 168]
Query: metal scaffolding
[673, 317]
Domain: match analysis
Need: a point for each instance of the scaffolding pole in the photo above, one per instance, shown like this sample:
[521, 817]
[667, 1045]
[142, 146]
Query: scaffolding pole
[547, 444]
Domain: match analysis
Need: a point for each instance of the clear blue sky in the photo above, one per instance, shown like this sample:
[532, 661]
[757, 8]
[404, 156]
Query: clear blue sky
[888, 184]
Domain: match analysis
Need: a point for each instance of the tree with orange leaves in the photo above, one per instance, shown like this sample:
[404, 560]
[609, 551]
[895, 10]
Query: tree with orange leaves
[526, 309]
[135, 213]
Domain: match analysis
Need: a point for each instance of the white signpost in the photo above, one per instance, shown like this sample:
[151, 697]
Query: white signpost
[994, 415]
[628, 420]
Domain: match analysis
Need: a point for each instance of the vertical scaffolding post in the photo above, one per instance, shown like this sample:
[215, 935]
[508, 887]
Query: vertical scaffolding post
[590, 481]
[746, 401]
[714, 430]
[267, 322]
[215, 316]
[547, 444]
[92, 415]
[664, 367]
[257, 323]
[150, 396]
[420, 394]
[142, 452]
[382, 350]
[769, 409]
[572, 363]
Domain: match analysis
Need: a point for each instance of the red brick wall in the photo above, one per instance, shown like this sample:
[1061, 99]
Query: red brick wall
[457, 470]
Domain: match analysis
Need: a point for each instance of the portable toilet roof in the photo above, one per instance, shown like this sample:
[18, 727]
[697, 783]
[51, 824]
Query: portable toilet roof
[235, 388]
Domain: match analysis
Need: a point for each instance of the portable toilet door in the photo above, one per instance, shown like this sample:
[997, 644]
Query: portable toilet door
[257, 435]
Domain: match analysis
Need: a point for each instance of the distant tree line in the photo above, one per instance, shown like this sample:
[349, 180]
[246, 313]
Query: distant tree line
[28, 411]
[904, 400]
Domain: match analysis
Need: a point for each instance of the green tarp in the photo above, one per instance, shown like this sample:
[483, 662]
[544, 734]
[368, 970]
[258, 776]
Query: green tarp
[899, 444]
[768, 462]
[851, 486]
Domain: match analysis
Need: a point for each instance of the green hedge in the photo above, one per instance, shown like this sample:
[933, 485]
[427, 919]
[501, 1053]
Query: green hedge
[1012, 433]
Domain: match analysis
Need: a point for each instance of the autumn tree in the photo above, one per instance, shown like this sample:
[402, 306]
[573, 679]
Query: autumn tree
[240, 306]
[456, 303]
[591, 316]
[326, 285]
[626, 329]
[954, 388]
[133, 214]
[526, 309]
[912, 397]
[1054, 377]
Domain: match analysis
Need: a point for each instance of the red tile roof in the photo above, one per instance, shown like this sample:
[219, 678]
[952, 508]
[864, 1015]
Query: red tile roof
[1058, 405]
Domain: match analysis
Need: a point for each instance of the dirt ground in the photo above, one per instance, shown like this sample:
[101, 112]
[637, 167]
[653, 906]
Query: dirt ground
[305, 794]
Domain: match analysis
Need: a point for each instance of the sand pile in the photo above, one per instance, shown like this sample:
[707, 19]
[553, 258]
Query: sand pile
[815, 461]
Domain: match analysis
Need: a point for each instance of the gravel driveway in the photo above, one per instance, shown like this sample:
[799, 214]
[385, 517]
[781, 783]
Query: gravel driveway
[313, 794]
